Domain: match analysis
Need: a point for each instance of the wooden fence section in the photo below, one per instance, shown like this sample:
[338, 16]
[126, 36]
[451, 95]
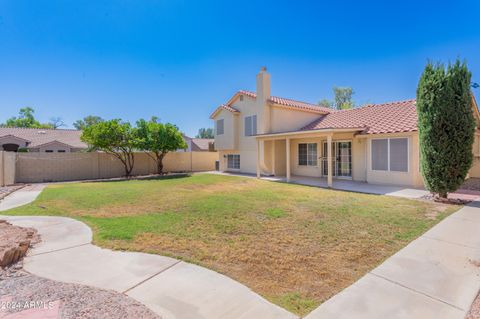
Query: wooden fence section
[57, 167]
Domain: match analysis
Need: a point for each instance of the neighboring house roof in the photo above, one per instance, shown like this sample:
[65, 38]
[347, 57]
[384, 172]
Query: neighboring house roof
[391, 117]
[38, 137]
[201, 144]
[278, 101]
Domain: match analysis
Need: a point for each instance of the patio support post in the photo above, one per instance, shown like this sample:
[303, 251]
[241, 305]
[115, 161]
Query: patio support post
[287, 147]
[273, 157]
[329, 160]
[258, 158]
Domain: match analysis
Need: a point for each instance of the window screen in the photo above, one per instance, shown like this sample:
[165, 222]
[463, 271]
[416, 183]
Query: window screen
[380, 155]
[220, 128]
[399, 154]
[307, 154]
[233, 161]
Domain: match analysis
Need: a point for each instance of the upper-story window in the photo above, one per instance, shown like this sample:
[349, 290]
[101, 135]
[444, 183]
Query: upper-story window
[251, 125]
[219, 127]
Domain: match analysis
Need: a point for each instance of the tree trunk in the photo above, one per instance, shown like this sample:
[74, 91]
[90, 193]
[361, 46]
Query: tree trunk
[443, 195]
[160, 157]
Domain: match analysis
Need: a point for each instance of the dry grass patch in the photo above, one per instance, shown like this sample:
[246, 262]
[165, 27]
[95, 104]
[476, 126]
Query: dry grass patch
[295, 245]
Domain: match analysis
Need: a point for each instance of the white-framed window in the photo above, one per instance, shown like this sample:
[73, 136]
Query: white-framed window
[307, 154]
[251, 125]
[219, 127]
[233, 161]
[390, 154]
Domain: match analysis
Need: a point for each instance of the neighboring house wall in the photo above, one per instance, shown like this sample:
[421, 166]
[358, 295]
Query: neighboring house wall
[12, 140]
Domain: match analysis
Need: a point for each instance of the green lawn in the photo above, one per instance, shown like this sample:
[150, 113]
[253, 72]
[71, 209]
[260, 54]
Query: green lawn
[295, 245]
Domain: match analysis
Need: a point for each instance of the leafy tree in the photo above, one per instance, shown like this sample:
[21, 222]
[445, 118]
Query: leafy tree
[157, 139]
[325, 103]
[205, 133]
[343, 99]
[446, 126]
[113, 137]
[56, 122]
[87, 121]
[25, 119]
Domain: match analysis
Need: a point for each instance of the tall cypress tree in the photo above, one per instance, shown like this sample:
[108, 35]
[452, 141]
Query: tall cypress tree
[446, 126]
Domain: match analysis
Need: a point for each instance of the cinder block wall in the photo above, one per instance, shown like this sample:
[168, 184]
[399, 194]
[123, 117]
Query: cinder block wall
[7, 168]
[57, 167]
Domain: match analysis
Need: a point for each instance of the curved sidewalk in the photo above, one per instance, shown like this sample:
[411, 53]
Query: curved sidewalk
[170, 287]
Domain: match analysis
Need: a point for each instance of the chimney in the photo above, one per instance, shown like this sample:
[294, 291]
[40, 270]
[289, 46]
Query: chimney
[263, 84]
[263, 93]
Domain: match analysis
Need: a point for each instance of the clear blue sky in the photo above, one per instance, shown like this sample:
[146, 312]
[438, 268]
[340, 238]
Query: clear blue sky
[178, 60]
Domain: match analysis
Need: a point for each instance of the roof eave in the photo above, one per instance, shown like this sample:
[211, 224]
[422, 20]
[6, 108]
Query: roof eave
[306, 132]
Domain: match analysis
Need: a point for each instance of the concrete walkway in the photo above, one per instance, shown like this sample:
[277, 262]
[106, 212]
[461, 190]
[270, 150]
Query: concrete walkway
[436, 276]
[171, 288]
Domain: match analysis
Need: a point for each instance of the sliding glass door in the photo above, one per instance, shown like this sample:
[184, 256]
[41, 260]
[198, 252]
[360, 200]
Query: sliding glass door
[342, 159]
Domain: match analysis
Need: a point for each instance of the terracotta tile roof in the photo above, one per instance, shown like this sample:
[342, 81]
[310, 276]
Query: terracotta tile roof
[224, 107]
[291, 103]
[38, 137]
[391, 117]
[300, 105]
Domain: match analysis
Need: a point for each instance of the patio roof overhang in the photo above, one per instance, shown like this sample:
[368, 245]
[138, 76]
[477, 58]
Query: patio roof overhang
[308, 133]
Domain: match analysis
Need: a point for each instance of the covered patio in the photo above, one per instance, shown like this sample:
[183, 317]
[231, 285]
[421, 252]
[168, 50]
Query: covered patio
[319, 155]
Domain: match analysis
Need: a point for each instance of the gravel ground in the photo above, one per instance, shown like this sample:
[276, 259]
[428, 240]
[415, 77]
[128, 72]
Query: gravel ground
[17, 287]
[474, 312]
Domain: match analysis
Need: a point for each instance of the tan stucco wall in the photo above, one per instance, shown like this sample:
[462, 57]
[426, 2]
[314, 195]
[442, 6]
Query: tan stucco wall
[226, 141]
[44, 167]
[410, 178]
[286, 120]
[7, 168]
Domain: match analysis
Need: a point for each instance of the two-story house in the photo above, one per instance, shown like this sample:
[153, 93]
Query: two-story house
[267, 135]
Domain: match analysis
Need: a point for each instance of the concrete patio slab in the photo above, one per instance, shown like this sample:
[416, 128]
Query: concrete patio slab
[438, 269]
[191, 292]
[342, 184]
[376, 298]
